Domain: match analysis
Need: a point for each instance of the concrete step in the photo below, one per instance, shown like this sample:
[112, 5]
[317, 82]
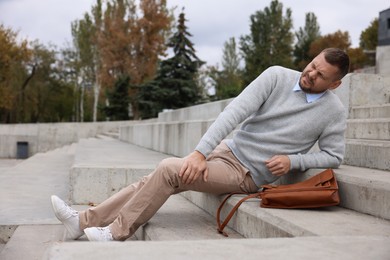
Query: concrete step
[25, 189]
[114, 135]
[373, 128]
[252, 221]
[180, 219]
[373, 111]
[303, 248]
[30, 242]
[368, 153]
[361, 189]
[95, 176]
[6, 164]
[103, 166]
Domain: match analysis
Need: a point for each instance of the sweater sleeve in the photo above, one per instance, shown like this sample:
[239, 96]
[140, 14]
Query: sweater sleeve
[331, 145]
[243, 106]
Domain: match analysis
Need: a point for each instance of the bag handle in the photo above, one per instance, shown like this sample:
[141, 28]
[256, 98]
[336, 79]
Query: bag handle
[232, 211]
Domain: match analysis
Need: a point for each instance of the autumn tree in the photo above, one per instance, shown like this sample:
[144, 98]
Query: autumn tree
[342, 41]
[46, 97]
[123, 38]
[131, 40]
[270, 41]
[338, 39]
[13, 74]
[305, 36]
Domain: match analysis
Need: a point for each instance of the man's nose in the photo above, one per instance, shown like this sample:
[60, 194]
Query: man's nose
[312, 74]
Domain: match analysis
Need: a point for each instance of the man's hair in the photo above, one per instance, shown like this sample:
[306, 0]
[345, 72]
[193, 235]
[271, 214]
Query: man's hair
[338, 58]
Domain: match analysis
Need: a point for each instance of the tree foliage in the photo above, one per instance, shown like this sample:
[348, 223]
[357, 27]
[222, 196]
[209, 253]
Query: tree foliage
[338, 39]
[121, 38]
[305, 37]
[369, 37]
[270, 41]
[118, 100]
[175, 85]
[228, 81]
[13, 56]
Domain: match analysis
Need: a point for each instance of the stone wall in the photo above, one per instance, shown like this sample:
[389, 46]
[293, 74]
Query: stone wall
[45, 137]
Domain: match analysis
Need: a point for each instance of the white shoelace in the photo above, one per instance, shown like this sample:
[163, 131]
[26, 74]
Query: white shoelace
[105, 233]
[67, 212]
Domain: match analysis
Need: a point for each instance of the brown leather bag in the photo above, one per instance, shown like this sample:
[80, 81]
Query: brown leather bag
[320, 190]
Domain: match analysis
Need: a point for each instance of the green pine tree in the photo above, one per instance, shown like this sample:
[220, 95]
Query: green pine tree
[118, 108]
[177, 75]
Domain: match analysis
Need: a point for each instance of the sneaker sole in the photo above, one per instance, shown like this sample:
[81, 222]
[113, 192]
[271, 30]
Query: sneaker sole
[89, 235]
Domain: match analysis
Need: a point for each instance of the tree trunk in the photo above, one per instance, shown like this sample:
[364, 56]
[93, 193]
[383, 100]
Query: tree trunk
[82, 104]
[96, 92]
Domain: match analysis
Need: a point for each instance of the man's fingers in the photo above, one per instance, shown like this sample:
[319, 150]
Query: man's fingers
[278, 165]
[206, 175]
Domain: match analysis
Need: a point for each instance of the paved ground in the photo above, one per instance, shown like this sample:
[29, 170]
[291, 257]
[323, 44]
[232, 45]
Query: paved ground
[6, 164]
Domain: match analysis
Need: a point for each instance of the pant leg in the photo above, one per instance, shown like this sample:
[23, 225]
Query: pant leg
[106, 212]
[226, 175]
[136, 204]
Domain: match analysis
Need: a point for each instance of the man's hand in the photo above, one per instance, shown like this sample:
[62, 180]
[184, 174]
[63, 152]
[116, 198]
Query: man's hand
[194, 165]
[278, 164]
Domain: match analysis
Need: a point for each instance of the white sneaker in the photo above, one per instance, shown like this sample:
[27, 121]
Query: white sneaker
[68, 216]
[98, 234]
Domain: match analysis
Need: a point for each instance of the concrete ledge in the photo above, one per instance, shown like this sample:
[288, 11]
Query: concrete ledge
[175, 138]
[95, 184]
[30, 242]
[179, 219]
[378, 111]
[252, 221]
[368, 153]
[374, 129]
[103, 166]
[361, 189]
[26, 188]
[48, 136]
[198, 112]
[307, 248]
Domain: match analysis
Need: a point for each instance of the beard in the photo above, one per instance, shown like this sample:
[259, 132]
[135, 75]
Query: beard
[307, 84]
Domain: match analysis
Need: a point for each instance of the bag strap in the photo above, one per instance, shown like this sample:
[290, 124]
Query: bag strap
[232, 211]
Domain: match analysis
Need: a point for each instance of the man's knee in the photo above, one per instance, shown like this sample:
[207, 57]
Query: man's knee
[170, 165]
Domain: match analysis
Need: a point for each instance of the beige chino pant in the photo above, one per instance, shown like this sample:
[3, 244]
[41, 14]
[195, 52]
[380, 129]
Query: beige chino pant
[134, 205]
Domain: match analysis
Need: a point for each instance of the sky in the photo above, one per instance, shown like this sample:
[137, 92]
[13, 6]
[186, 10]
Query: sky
[211, 22]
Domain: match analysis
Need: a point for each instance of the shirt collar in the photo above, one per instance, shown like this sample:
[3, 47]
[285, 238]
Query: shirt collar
[309, 96]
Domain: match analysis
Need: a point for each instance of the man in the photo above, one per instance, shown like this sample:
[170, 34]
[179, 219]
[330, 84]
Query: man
[284, 113]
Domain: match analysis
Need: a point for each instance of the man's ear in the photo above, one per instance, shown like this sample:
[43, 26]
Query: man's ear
[335, 84]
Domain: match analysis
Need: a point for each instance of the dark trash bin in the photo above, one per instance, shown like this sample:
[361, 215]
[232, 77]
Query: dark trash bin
[21, 150]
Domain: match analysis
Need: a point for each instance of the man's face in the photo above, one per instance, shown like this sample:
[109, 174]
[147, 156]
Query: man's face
[319, 76]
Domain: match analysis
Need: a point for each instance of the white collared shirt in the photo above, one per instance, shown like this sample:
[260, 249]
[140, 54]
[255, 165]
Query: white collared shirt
[310, 97]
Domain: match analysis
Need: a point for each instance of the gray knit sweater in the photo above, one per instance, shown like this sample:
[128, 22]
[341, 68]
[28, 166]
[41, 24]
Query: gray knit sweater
[279, 121]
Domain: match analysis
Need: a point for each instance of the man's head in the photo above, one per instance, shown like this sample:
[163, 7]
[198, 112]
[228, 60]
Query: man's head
[325, 71]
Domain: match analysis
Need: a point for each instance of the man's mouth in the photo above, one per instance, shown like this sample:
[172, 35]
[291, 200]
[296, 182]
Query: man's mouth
[307, 80]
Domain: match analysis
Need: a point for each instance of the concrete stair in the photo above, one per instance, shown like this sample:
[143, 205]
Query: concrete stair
[191, 215]
[185, 227]
[27, 224]
[302, 248]
[365, 210]
[368, 136]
